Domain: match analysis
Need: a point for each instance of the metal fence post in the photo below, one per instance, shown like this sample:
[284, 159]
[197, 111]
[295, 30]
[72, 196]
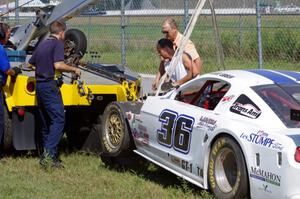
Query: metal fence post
[219, 47]
[123, 50]
[17, 14]
[241, 24]
[259, 37]
[186, 13]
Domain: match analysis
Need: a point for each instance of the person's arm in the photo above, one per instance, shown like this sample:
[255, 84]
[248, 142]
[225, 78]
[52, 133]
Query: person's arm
[197, 67]
[10, 72]
[59, 59]
[188, 64]
[62, 67]
[6, 65]
[160, 73]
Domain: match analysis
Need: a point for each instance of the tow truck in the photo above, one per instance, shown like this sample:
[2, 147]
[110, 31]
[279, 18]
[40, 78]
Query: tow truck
[84, 99]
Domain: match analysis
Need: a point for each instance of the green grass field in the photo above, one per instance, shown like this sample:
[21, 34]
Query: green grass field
[85, 176]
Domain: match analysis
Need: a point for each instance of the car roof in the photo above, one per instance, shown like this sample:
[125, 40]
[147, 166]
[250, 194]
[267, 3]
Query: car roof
[256, 77]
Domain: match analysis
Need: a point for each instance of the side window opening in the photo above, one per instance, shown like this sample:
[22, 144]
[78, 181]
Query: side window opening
[206, 96]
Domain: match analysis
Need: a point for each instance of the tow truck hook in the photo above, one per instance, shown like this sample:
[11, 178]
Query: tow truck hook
[80, 88]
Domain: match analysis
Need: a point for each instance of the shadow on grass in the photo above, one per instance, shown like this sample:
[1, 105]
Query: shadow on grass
[149, 171]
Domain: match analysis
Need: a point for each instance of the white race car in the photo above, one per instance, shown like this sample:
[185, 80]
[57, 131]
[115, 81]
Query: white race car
[234, 132]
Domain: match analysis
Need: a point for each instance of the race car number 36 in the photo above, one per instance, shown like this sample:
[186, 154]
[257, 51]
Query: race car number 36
[175, 131]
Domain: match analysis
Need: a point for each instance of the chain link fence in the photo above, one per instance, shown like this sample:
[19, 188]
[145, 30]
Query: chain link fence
[236, 22]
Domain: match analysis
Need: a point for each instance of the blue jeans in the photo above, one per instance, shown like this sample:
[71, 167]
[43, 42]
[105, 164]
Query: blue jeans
[51, 111]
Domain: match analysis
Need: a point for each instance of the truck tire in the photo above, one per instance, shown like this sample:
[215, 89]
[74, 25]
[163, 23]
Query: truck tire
[8, 131]
[114, 135]
[76, 41]
[227, 173]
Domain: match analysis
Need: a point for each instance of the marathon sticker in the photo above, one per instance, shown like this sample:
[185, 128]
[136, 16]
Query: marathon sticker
[263, 139]
[265, 176]
[245, 107]
[207, 123]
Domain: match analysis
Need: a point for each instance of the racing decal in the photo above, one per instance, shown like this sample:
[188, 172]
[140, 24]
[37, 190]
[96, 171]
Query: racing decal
[265, 176]
[228, 76]
[226, 99]
[142, 128]
[187, 166]
[292, 74]
[141, 134]
[245, 106]
[273, 76]
[175, 160]
[263, 139]
[265, 188]
[207, 123]
[176, 130]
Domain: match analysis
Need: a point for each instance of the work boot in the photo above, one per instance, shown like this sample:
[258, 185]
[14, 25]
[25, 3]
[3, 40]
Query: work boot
[57, 163]
[47, 161]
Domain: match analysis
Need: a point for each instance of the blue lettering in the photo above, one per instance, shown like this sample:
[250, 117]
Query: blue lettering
[251, 138]
[268, 141]
[254, 139]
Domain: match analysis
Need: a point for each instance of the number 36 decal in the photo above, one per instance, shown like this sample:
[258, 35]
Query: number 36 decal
[176, 130]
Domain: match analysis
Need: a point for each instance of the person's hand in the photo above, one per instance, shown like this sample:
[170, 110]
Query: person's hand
[154, 85]
[17, 71]
[175, 84]
[77, 72]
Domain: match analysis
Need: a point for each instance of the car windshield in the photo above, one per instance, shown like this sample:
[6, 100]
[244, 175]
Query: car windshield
[281, 99]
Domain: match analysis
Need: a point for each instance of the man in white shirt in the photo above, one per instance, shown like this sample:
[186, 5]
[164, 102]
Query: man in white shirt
[184, 71]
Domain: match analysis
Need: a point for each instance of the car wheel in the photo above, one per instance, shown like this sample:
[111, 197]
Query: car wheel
[75, 43]
[114, 136]
[227, 173]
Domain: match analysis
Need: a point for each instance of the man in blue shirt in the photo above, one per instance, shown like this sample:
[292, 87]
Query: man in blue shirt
[4, 71]
[48, 57]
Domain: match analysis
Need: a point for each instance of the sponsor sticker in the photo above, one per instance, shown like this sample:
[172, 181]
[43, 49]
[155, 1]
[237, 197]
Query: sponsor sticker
[263, 139]
[245, 106]
[227, 98]
[141, 135]
[228, 76]
[207, 123]
[266, 176]
[265, 188]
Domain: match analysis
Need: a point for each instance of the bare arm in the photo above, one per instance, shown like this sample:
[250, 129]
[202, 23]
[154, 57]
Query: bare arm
[10, 72]
[188, 64]
[62, 67]
[197, 66]
[161, 72]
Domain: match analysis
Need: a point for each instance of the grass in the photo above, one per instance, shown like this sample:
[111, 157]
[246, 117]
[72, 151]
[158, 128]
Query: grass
[85, 176]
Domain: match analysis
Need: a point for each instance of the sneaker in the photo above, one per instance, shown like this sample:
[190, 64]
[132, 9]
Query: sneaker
[57, 164]
[46, 162]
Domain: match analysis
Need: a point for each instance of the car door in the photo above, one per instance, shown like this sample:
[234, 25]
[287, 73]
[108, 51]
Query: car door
[176, 125]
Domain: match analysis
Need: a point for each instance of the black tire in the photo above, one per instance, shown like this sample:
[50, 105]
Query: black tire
[8, 131]
[79, 39]
[114, 136]
[227, 173]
